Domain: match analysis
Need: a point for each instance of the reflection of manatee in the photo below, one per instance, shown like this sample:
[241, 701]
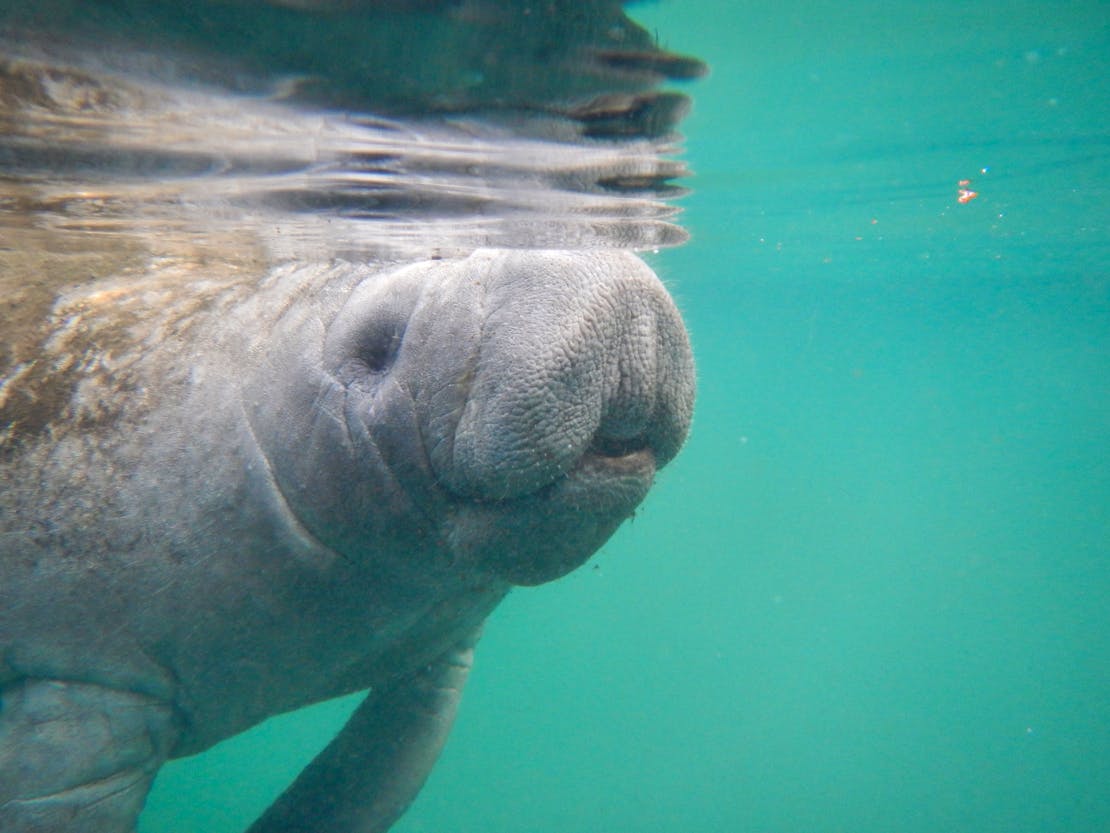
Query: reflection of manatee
[240, 474]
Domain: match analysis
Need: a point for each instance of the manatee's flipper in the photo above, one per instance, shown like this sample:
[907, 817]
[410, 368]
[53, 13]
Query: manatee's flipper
[366, 778]
[77, 757]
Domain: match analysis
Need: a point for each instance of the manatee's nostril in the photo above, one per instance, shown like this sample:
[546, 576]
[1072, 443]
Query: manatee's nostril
[603, 446]
[378, 350]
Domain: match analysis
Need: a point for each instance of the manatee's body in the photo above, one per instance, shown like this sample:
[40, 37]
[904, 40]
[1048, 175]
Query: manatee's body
[234, 484]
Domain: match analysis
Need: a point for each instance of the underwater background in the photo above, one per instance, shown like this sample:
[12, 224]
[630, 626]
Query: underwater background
[873, 593]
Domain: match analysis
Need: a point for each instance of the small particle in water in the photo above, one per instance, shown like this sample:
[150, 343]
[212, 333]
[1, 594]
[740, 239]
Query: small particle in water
[964, 194]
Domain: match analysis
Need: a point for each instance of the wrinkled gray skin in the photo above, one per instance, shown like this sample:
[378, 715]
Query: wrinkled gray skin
[320, 487]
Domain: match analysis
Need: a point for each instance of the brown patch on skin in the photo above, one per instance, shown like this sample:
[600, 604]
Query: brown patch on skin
[85, 313]
[36, 266]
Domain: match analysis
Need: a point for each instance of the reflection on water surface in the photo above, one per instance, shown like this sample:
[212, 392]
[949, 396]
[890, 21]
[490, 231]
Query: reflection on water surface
[179, 138]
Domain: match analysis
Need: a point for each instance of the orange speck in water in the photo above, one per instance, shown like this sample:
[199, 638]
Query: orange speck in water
[964, 194]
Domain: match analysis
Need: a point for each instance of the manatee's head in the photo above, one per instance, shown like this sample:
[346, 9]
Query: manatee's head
[504, 412]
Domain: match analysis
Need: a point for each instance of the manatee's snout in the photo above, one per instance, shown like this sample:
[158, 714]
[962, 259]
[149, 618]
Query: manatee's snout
[581, 366]
[578, 387]
[545, 389]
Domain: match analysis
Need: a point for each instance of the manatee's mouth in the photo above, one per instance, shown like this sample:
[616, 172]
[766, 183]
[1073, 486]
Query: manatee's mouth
[552, 503]
[608, 462]
[544, 535]
[617, 449]
[611, 476]
[497, 457]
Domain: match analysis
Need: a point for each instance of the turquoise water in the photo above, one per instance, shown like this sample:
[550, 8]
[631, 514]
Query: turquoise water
[873, 594]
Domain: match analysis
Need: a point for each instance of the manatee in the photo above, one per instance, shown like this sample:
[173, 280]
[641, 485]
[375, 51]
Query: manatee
[299, 378]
